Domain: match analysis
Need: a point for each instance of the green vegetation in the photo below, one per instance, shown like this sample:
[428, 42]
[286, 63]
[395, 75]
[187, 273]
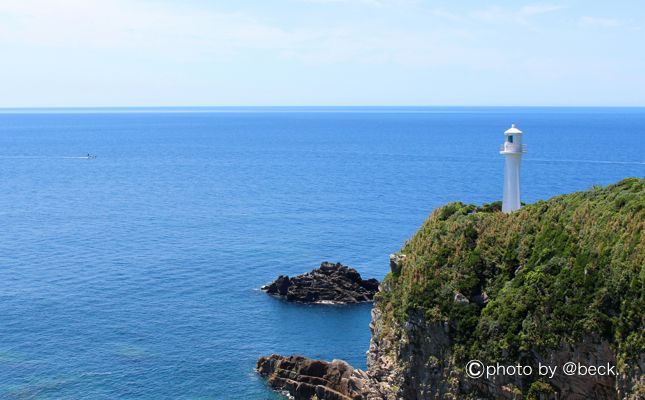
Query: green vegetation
[553, 271]
[539, 388]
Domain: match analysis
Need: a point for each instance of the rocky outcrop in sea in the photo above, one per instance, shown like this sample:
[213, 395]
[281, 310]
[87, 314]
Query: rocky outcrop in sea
[304, 378]
[331, 283]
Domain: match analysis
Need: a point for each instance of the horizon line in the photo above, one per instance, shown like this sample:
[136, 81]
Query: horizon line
[279, 108]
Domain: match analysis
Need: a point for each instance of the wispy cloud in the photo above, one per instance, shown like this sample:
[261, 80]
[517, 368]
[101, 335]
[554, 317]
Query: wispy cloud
[364, 2]
[129, 24]
[186, 46]
[537, 9]
[179, 32]
[522, 15]
[494, 14]
[599, 22]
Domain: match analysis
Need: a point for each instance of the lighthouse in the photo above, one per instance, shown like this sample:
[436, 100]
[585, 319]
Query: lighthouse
[512, 149]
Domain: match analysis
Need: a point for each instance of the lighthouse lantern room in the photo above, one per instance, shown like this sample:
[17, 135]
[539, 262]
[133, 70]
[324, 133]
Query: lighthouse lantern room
[512, 149]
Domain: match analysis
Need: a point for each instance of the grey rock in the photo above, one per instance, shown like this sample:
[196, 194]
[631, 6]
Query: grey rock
[304, 378]
[461, 299]
[331, 283]
[396, 263]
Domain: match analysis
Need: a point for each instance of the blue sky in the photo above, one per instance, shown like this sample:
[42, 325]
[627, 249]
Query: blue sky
[321, 52]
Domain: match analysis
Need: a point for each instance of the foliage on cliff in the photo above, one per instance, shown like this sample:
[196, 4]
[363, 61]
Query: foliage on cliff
[550, 272]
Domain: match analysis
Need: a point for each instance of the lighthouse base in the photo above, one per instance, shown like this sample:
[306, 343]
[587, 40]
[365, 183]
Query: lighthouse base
[511, 200]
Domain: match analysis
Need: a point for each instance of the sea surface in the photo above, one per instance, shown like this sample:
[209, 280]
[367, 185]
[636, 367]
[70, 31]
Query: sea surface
[136, 275]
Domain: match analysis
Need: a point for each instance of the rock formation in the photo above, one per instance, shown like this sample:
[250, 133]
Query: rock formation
[304, 378]
[331, 283]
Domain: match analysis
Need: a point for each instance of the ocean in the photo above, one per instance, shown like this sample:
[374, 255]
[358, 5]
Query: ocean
[136, 275]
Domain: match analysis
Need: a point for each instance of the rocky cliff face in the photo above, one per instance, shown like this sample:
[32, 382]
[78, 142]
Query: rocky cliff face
[414, 362]
[557, 282]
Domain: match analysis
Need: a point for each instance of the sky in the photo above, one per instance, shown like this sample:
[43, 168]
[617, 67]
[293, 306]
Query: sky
[96, 53]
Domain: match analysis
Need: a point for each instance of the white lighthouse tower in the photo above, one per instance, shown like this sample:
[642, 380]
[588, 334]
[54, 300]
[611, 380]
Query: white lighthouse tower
[512, 149]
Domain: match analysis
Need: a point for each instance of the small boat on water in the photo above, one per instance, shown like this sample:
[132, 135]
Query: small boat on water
[91, 156]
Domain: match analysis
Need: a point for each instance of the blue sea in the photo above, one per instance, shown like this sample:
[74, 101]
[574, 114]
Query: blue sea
[136, 275]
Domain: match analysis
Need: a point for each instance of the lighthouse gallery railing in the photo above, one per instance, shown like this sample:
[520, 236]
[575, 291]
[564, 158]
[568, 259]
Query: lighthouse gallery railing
[512, 148]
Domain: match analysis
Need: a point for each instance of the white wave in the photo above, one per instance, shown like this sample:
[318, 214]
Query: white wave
[586, 161]
[46, 157]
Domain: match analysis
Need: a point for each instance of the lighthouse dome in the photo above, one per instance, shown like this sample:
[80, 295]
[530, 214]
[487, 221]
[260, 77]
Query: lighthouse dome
[513, 130]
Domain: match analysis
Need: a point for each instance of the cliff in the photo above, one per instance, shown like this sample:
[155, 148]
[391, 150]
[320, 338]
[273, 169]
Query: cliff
[557, 281]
